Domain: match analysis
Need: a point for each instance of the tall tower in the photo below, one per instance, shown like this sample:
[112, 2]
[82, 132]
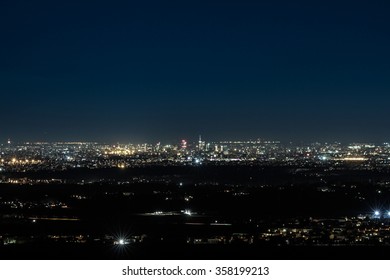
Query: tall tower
[183, 145]
[201, 144]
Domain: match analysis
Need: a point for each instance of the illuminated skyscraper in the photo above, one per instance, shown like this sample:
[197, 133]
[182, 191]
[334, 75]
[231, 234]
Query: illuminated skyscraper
[183, 144]
[201, 144]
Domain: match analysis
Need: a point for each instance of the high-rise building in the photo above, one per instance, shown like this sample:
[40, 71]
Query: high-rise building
[201, 144]
[183, 144]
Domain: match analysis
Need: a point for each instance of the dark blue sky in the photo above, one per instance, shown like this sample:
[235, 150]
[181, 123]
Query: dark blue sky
[166, 70]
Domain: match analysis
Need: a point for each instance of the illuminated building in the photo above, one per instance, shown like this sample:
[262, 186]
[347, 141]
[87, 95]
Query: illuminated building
[183, 144]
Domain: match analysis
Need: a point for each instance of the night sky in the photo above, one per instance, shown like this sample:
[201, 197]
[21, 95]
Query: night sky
[151, 71]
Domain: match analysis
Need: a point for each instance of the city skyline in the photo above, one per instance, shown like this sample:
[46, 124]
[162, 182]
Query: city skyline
[191, 141]
[161, 71]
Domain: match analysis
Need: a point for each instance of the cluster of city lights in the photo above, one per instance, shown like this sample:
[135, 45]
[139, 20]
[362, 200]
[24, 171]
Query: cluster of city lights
[378, 214]
[15, 161]
[121, 242]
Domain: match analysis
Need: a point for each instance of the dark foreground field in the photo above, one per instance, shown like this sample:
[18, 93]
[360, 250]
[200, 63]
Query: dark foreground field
[203, 212]
[191, 252]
